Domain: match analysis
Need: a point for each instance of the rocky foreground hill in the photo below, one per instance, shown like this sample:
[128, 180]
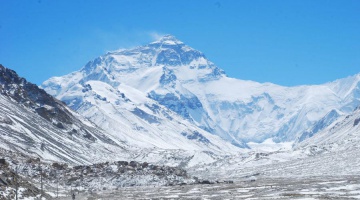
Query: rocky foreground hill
[31, 174]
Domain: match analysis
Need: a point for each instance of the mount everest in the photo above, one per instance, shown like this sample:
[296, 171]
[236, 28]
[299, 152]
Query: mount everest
[125, 93]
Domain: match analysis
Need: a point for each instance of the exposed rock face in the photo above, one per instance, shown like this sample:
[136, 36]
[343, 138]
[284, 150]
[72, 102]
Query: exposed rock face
[32, 96]
[10, 179]
[356, 121]
[123, 173]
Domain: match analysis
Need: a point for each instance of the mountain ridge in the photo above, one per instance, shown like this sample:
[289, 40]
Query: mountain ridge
[35, 123]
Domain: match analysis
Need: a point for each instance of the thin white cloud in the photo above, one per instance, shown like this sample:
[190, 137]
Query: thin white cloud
[156, 35]
[113, 41]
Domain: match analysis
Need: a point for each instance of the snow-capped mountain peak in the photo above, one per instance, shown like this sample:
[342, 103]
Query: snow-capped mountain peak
[184, 81]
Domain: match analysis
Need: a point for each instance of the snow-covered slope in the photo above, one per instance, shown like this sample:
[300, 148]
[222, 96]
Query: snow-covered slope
[35, 123]
[128, 114]
[182, 79]
[333, 151]
[342, 134]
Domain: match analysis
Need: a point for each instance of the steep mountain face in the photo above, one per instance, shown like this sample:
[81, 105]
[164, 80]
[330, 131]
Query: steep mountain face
[341, 135]
[323, 123]
[170, 74]
[35, 123]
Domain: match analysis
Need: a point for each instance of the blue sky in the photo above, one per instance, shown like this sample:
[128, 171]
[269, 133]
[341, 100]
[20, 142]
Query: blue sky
[285, 42]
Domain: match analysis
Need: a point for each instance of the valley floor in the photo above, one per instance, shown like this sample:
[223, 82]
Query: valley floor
[322, 187]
